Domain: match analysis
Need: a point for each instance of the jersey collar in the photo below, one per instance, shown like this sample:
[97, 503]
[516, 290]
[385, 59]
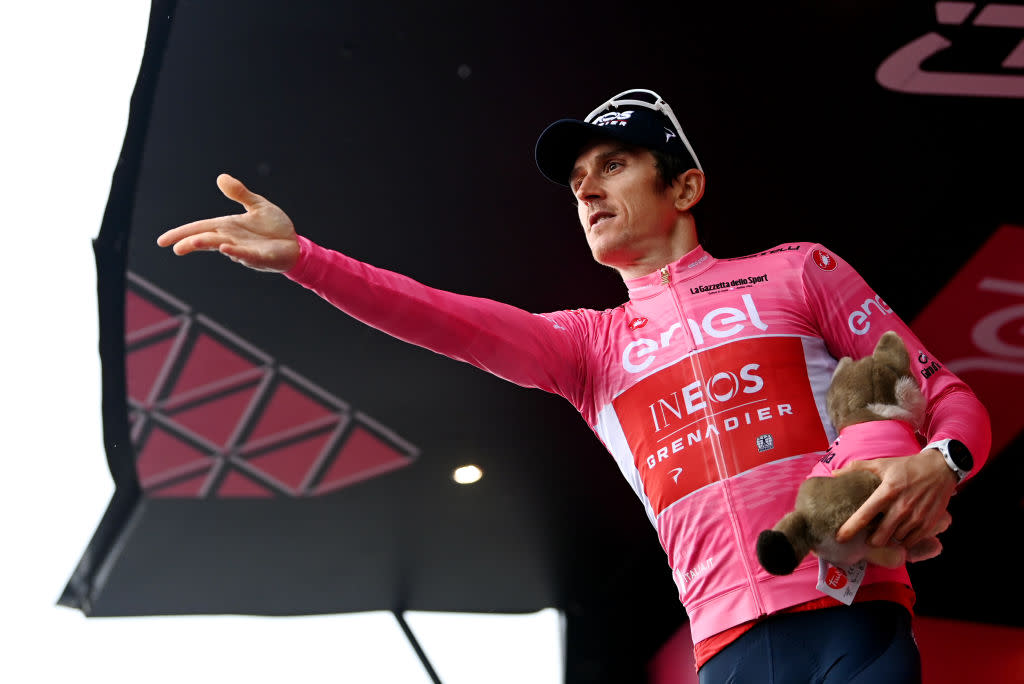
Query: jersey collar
[690, 265]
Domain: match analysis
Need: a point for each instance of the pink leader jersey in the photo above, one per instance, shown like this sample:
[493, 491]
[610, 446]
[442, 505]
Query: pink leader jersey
[707, 387]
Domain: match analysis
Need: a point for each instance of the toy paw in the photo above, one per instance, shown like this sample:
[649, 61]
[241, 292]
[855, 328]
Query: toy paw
[775, 553]
[925, 549]
[887, 556]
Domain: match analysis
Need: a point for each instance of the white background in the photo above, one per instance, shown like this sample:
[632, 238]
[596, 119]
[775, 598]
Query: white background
[67, 70]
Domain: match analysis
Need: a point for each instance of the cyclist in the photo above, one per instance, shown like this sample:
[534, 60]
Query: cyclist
[707, 387]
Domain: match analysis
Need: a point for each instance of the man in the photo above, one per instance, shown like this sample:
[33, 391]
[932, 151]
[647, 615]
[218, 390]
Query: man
[707, 387]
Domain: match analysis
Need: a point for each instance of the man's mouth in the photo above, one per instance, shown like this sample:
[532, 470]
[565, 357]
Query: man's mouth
[599, 216]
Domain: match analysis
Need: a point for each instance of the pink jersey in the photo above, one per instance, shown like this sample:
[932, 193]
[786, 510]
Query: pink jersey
[865, 441]
[707, 387]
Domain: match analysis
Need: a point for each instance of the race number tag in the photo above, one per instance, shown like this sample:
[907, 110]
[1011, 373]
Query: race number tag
[841, 582]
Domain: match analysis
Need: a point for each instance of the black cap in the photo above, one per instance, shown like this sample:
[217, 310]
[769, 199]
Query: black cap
[636, 117]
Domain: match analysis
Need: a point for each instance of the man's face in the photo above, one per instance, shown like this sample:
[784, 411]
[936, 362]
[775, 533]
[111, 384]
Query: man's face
[623, 209]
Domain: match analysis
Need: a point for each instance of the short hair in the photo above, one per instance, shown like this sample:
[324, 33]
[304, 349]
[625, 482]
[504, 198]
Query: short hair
[670, 166]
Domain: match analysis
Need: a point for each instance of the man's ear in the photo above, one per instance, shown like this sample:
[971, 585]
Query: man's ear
[689, 187]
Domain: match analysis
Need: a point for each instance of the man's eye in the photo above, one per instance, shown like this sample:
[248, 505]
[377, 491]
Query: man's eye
[612, 165]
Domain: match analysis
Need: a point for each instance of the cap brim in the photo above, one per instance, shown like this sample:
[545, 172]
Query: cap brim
[560, 144]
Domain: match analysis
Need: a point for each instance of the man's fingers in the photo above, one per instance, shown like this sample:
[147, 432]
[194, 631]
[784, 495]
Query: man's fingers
[242, 255]
[175, 235]
[856, 465]
[875, 504]
[262, 238]
[207, 241]
[214, 227]
[937, 528]
[235, 190]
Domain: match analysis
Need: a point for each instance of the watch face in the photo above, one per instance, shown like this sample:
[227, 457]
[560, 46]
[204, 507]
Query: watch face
[960, 455]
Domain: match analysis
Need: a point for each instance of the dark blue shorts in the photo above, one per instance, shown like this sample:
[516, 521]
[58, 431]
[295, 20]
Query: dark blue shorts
[866, 642]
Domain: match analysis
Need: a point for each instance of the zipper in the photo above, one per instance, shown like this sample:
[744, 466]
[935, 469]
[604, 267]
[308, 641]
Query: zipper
[720, 464]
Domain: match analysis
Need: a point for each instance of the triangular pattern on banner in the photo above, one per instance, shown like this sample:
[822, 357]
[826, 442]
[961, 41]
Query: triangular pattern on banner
[140, 313]
[163, 455]
[237, 403]
[237, 484]
[216, 419]
[209, 361]
[362, 456]
[143, 366]
[287, 408]
[186, 489]
[291, 464]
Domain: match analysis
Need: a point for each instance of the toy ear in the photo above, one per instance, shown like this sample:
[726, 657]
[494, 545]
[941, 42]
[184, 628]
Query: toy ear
[890, 363]
[891, 352]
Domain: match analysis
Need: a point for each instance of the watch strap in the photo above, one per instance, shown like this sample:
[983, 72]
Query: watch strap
[943, 446]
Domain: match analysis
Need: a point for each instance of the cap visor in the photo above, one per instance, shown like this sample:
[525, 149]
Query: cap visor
[559, 146]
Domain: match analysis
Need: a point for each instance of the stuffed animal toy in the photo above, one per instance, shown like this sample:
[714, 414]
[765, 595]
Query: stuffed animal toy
[876, 406]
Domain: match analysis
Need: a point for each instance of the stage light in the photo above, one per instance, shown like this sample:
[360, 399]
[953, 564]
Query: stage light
[467, 474]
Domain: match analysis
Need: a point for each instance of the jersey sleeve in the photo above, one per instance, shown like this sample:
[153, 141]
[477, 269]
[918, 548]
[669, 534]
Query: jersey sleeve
[532, 350]
[852, 317]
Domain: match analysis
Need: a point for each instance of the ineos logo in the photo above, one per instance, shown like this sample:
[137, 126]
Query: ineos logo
[689, 399]
[724, 380]
[613, 119]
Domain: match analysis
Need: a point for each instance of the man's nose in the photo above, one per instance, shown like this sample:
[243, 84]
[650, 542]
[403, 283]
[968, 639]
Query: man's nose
[589, 188]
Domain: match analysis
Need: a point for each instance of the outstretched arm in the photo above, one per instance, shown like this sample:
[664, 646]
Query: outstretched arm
[531, 350]
[263, 238]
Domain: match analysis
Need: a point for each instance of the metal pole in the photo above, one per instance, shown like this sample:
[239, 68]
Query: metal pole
[399, 615]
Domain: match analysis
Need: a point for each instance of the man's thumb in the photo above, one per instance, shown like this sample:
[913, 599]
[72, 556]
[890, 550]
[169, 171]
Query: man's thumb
[233, 189]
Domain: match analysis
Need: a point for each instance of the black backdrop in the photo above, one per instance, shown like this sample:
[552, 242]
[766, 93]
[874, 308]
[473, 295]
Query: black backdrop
[402, 134]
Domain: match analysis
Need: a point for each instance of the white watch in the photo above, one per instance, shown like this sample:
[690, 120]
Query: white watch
[957, 456]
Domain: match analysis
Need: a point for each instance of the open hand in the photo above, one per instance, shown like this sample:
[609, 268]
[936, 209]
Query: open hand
[263, 238]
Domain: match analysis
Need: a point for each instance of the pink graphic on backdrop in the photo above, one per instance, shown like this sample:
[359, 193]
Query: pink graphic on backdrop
[903, 70]
[212, 416]
[974, 324]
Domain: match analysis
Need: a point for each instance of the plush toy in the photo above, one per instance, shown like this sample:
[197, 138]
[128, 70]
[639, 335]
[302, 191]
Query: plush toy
[876, 406]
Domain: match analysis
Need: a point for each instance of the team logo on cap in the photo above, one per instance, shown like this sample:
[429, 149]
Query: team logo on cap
[669, 135]
[613, 119]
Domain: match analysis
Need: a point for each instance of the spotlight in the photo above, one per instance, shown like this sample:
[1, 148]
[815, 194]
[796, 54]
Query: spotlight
[467, 474]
